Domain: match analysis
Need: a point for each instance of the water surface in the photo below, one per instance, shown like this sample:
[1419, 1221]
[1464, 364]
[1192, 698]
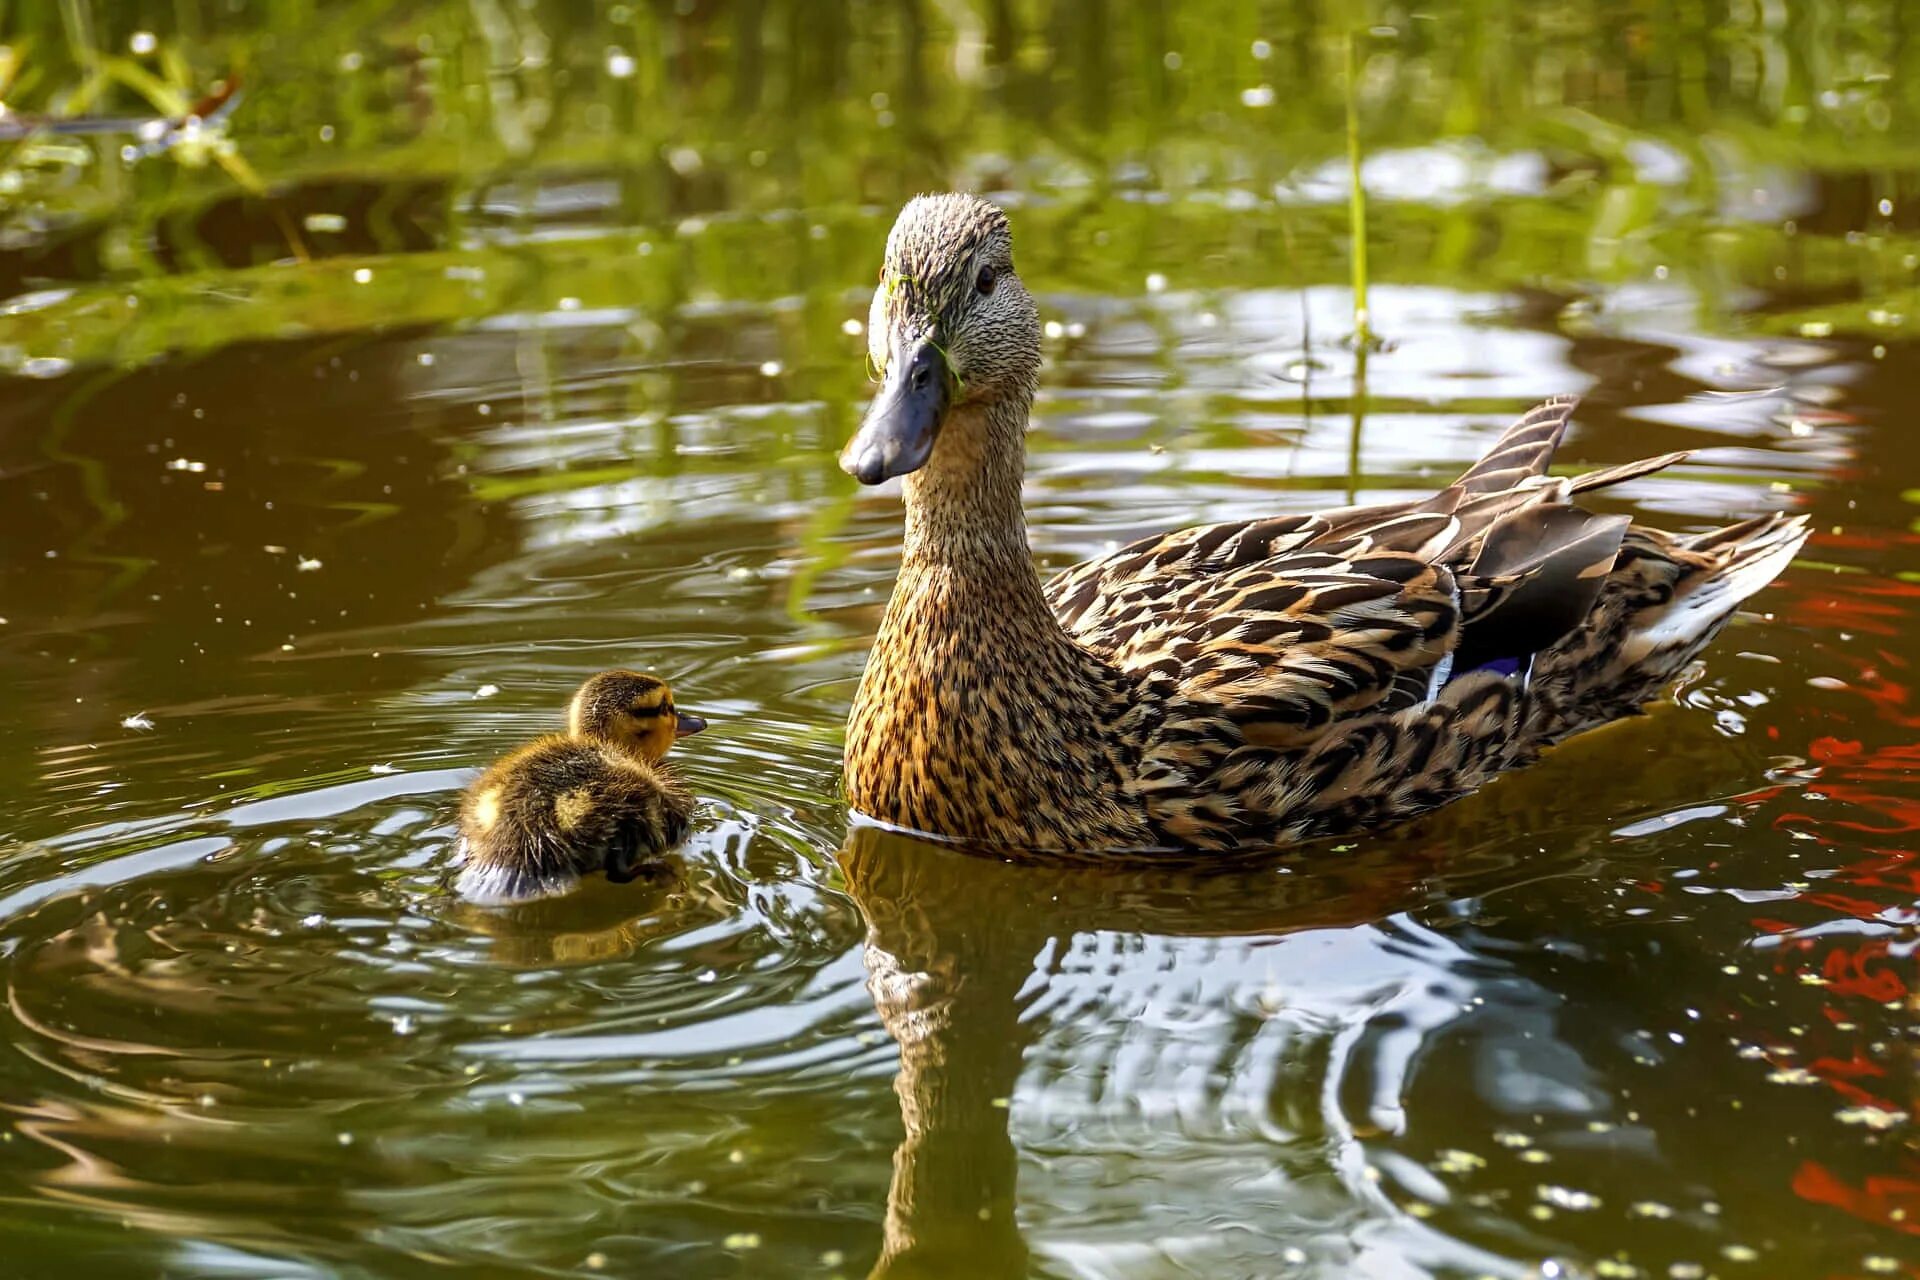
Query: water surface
[533, 359]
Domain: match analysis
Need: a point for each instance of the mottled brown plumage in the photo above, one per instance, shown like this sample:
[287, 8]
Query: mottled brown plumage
[594, 798]
[1231, 685]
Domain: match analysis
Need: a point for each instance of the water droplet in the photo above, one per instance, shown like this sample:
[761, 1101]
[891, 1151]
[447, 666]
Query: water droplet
[620, 64]
[143, 43]
[45, 366]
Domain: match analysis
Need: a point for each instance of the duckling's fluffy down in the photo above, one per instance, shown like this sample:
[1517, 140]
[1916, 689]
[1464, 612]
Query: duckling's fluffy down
[539, 819]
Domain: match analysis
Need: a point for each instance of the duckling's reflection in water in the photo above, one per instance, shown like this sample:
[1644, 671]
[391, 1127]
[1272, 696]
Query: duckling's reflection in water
[599, 921]
[952, 944]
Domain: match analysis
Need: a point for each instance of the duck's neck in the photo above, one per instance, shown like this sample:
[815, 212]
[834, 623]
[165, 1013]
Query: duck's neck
[963, 507]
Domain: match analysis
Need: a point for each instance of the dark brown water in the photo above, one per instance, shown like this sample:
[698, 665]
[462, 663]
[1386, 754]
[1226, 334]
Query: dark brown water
[310, 506]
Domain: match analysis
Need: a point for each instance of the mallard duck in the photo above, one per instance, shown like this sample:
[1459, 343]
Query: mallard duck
[594, 798]
[1233, 685]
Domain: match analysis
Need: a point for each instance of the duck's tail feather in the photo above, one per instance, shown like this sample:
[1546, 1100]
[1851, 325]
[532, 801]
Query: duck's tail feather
[1741, 559]
[1626, 471]
[1523, 449]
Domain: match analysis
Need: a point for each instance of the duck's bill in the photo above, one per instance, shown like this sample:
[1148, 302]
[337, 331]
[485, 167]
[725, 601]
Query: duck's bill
[896, 437]
[685, 726]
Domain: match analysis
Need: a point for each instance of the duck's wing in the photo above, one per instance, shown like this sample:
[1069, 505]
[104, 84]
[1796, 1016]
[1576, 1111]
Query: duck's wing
[1289, 624]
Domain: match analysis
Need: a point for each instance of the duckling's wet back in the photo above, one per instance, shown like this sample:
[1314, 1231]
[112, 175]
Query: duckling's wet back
[371, 382]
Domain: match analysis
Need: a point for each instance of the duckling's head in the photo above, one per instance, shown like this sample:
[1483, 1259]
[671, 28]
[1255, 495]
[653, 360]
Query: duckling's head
[631, 711]
[951, 325]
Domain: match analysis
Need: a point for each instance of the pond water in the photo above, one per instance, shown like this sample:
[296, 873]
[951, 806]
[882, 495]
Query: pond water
[534, 358]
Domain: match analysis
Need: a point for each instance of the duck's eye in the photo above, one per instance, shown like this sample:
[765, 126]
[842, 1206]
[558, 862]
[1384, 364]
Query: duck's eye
[985, 280]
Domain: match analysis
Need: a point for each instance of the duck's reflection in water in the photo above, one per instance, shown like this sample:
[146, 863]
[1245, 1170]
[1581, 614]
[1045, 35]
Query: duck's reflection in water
[958, 955]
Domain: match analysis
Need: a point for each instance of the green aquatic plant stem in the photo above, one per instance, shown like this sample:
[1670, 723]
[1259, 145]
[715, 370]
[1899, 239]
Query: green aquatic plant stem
[1357, 206]
[959, 383]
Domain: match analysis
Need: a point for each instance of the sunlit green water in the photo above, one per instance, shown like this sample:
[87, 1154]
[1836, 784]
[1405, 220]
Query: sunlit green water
[534, 359]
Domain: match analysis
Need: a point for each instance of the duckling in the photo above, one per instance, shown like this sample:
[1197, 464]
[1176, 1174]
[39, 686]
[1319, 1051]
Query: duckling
[594, 798]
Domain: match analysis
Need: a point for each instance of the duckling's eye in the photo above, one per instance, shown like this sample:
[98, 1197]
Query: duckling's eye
[985, 280]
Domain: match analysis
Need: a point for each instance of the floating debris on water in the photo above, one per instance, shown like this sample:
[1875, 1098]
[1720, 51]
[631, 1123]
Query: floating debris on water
[1453, 1160]
[486, 691]
[1567, 1197]
[138, 720]
[1871, 1116]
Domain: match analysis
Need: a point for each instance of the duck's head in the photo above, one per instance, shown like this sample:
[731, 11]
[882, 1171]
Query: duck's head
[951, 325]
[631, 711]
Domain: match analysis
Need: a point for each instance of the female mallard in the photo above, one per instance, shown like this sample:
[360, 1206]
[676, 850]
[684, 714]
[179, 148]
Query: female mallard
[594, 798]
[1232, 685]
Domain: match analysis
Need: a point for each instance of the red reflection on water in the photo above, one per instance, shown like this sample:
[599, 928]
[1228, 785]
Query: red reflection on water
[1841, 1075]
[1888, 1200]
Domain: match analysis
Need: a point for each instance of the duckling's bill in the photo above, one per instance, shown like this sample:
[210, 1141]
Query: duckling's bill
[686, 726]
